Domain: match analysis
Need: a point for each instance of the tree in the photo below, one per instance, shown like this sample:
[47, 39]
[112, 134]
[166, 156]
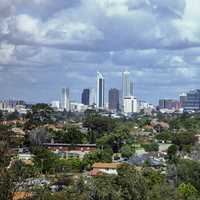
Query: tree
[12, 173]
[187, 191]
[188, 171]
[73, 136]
[99, 124]
[104, 155]
[184, 140]
[40, 114]
[162, 191]
[132, 184]
[38, 136]
[127, 151]
[1, 115]
[151, 147]
[105, 188]
[165, 136]
[13, 116]
[115, 139]
[171, 152]
[44, 160]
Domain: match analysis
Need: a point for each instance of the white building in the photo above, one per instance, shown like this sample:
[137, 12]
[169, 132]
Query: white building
[55, 104]
[65, 99]
[78, 107]
[100, 91]
[144, 105]
[126, 84]
[92, 97]
[130, 105]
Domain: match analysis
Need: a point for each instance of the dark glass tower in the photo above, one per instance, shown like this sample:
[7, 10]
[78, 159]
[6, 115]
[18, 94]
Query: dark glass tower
[85, 99]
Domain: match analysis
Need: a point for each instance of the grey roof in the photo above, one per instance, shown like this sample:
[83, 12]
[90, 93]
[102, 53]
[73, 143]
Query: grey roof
[141, 159]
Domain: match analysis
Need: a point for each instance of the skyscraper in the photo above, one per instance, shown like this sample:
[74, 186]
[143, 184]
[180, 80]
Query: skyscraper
[113, 99]
[65, 99]
[126, 90]
[131, 88]
[192, 100]
[183, 99]
[85, 98]
[100, 90]
[92, 96]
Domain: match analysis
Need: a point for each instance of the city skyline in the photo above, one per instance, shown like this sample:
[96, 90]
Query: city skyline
[49, 45]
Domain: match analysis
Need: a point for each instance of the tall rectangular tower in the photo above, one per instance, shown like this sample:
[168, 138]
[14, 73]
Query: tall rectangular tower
[85, 98]
[113, 99]
[65, 99]
[100, 91]
[126, 84]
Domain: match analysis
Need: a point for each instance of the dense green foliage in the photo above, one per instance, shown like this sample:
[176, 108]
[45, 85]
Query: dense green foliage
[179, 181]
[151, 147]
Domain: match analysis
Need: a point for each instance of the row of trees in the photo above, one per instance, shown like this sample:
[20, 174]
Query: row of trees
[129, 184]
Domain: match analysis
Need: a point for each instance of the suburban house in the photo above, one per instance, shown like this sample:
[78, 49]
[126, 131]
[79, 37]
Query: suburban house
[153, 159]
[70, 150]
[21, 195]
[104, 168]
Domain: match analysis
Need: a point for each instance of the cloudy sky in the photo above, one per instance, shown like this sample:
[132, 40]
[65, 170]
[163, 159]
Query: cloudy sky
[49, 44]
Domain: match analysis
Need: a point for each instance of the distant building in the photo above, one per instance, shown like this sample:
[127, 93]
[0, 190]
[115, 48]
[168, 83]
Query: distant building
[183, 99]
[144, 105]
[169, 104]
[11, 105]
[104, 168]
[70, 150]
[78, 107]
[85, 98]
[92, 97]
[55, 104]
[130, 105]
[113, 98]
[192, 100]
[126, 84]
[100, 91]
[131, 88]
[65, 99]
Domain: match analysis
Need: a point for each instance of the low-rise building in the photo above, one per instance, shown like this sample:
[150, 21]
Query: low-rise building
[104, 168]
[70, 150]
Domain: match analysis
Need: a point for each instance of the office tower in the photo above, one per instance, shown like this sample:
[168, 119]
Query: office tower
[92, 97]
[130, 105]
[85, 98]
[100, 90]
[113, 99]
[126, 90]
[65, 99]
[192, 100]
[169, 104]
[161, 104]
[131, 88]
[183, 99]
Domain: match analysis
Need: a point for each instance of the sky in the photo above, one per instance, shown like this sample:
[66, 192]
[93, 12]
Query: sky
[46, 45]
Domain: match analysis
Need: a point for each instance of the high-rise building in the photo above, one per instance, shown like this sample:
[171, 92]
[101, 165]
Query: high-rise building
[113, 99]
[169, 104]
[100, 90]
[183, 99]
[92, 96]
[131, 88]
[85, 98]
[192, 100]
[126, 84]
[130, 105]
[65, 99]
